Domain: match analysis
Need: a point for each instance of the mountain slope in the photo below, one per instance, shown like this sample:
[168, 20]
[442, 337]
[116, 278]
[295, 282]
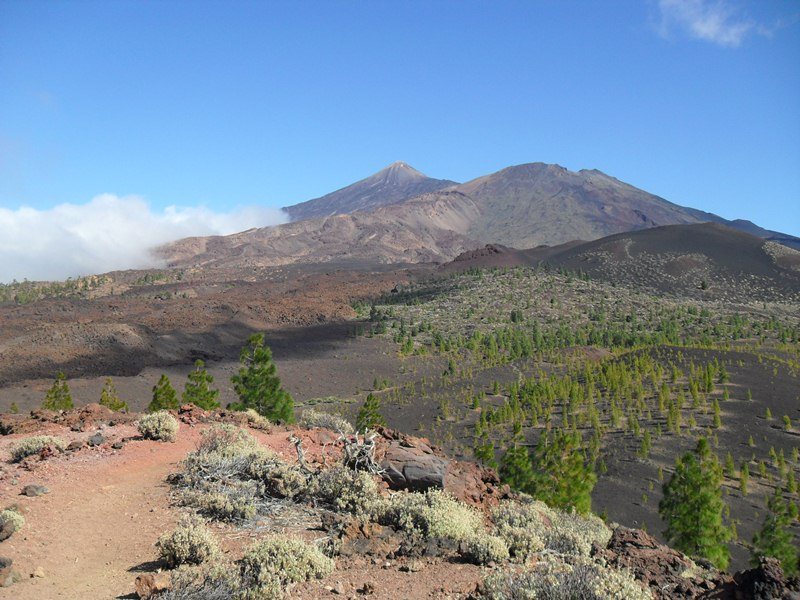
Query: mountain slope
[396, 183]
[430, 228]
[706, 260]
[533, 204]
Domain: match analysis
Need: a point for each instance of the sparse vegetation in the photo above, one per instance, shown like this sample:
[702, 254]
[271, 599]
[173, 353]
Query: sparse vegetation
[34, 445]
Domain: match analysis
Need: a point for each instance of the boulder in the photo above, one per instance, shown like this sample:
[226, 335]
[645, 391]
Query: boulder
[34, 490]
[96, 440]
[413, 467]
[765, 582]
[149, 585]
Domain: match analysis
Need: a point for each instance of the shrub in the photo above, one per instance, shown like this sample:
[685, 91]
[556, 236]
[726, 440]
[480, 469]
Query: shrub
[553, 579]
[483, 549]
[231, 502]
[432, 514]
[256, 421]
[34, 445]
[159, 426]
[348, 491]
[9, 515]
[273, 564]
[280, 479]
[211, 581]
[190, 543]
[521, 541]
[314, 418]
[566, 533]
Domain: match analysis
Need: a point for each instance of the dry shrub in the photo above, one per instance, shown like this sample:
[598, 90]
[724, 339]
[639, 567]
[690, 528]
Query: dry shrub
[159, 425]
[554, 579]
[349, 491]
[314, 418]
[34, 445]
[271, 565]
[483, 549]
[433, 514]
[190, 543]
[10, 515]
[562, 532]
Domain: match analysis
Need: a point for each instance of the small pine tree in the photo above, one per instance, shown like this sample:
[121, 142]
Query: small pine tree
[258, 385]
[109, 397]
[775, 538]
[744, 478]
[369, 416]
[562, 477]
[515, 466]
[484, 450]
[58, 396]
[14, 408]
[164, 396]
[692, 506]
[197, 390]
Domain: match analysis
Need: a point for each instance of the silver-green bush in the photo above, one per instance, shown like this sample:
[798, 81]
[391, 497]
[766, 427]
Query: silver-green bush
[9, 515]
[34, 445]
[432, 514]
[348, 491]
[553, 579]
[315, 418]
[190, 543]
[159, 425]
[271, 565]
[482, 549]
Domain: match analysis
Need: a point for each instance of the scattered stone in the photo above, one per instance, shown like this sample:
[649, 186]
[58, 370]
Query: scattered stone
[38, 572]
[367, 589]
[34, 490]
[414, 566]
[151, 584]
[96, 439]
[118, 445]
[6, 530]
[338, 589]
[764, 582]
[76, 445]
[5, 569]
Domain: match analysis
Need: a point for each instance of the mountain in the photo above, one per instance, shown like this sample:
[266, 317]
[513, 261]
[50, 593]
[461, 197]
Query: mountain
[533, 204]
[375, 220]
[396, 183]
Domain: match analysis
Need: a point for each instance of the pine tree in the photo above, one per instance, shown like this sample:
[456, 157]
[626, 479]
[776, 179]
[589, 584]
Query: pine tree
[562, 477]
[515, 466]
[58, 396]
[258, 385]
[197, 390]
[483, 449]
[109, 397]
[164, 396]
[692, 506]
[369, 416]
[775, 538]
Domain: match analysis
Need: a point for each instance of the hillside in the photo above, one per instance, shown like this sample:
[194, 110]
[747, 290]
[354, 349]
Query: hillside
[397, 182]
[705, 260]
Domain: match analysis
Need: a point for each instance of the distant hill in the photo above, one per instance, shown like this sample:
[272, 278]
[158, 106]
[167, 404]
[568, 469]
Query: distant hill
[396, 183]
[707, 260]
[389, 218]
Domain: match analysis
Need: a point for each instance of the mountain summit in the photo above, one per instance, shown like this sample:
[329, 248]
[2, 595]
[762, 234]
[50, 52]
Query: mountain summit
[396, 183]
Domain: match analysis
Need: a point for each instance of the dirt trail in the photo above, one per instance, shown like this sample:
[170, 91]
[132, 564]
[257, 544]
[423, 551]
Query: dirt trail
[102, 516]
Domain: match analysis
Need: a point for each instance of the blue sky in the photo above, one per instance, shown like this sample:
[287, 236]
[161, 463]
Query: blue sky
[227, 105]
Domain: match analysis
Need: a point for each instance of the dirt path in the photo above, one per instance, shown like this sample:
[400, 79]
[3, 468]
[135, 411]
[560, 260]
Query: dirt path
[102, 516]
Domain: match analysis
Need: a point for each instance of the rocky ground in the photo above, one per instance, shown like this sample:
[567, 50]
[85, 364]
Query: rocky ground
[94, 512]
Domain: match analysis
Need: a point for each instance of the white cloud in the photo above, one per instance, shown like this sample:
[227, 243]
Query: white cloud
[713, 21]
[105, 234]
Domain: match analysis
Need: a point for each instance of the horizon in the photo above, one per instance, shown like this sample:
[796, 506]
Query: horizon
[197, 119]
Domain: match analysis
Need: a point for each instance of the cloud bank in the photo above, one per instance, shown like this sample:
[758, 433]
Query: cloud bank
[105, 234]
[712, 21]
